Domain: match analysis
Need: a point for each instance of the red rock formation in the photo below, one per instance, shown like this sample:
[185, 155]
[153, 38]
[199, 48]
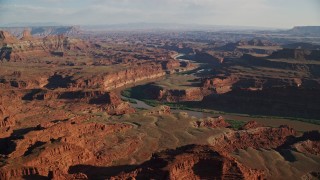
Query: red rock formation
[173, 64]
[54, 147]
[160, 110]
[29, 47]
[262, 137]
[220, 85]
[191, 94]
[6, 37]
[250, 125]
[16, 173]
[132, 75]
[308, 146]
[116, 106]
[212, 122]
[192, 162]
[157, 92]
[6, 125]
[108, 101]
[6, 120]
[308, 143]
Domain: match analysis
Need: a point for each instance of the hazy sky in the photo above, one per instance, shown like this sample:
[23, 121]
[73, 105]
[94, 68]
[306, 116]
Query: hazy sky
[265, 13]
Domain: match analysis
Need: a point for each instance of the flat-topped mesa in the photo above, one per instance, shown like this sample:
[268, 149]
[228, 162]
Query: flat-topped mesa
[172, 95]
[175, 94]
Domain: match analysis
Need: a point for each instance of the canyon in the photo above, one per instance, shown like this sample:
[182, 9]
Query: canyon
[77, 104]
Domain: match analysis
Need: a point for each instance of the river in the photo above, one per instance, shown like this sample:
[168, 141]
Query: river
[267, 121]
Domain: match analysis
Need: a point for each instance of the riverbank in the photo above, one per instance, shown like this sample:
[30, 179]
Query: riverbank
[299, 125]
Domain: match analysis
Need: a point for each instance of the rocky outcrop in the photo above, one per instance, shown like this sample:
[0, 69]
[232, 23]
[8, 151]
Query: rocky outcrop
[23, 83]
[6, 38]
[225, 84]
[220, 85]
[212, 122]
[7, 121]
[160, 110]
[155, 91]
[94, 97]
[250, 125]
[7, 174]
[172, 95]
[308, 143]
[53, 147]
[262, 137]
[192, 162]
[108, 101]
[6, 125]
[115, 105]
[308, 146]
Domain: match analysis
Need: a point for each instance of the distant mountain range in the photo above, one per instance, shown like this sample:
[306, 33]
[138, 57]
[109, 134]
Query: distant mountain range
[143, 26]
[305, 30]
[43, 29]
[171, 26]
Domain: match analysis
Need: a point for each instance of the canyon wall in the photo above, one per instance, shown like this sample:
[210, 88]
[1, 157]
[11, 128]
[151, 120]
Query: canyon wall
[27, 47]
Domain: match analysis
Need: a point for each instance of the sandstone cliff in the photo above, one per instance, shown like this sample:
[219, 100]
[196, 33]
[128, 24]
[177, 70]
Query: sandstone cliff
[27, 46]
